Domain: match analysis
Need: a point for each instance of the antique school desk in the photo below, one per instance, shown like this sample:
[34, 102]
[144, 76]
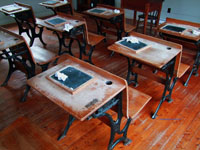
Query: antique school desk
[107, 13]
[144, 6]
[14, 10]
[161, 55]
[58, 28]
[103, 91]
[9, 40]
[25, 19]
[60, 6]
[183, 32]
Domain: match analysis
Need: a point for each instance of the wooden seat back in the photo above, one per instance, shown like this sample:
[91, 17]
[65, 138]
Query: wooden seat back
[65, 8]
[27, 16]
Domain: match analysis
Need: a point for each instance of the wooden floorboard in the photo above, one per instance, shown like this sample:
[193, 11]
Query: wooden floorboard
[177, 125]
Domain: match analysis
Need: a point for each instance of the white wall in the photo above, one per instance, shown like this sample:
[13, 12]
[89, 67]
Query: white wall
[180, 9]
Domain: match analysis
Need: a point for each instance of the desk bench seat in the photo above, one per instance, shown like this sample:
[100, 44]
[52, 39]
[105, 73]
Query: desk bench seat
[137, 101]
[42, 56]
[182, 69]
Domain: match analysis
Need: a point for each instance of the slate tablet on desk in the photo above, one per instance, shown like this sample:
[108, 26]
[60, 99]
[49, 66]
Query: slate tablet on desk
[97, 11]
[134, 47]
[174, 28]
[75, 81]
[56, 21]
[11, 8]
[50, 2]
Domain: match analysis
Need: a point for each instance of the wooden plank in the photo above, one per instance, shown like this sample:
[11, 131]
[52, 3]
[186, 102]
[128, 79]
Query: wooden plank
[137, 101]
[23, 135]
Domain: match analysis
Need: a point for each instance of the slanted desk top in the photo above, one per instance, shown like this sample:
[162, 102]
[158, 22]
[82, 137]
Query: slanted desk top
[102, 12]
[58, 4]
[159, 54]
[84, 103]
[17, 9]
[9, 39]
[186, 34]
[72, 21]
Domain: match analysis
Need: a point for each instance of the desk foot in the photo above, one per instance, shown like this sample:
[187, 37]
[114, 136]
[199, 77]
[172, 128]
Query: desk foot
[154, 116]
[127, 141]
[169, 100]
[69, 123]
[23, 99]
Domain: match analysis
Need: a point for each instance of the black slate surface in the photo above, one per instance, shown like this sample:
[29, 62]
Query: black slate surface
[96, 10]
[133, 46]
[174, 28]
[75, 79]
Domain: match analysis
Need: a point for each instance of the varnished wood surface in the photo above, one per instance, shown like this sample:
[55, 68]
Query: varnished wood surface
[14, 12]
[69, 19]
[9, 39]
[181, 23]
[77, 104]
[107, 15]
[177, 125]
[157, 55]
[59, 4]
[24, 135]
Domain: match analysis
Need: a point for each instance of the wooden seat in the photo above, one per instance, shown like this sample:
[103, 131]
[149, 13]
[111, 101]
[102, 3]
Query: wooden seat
[27, 22]
[137, 101]
[182, 69]
[23, 135]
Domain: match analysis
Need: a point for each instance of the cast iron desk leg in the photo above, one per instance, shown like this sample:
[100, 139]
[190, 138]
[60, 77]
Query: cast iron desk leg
[195, 67]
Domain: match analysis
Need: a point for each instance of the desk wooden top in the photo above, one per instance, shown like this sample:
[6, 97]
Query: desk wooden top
[24, 135]
[70, 19]
[156, 56]
[20, 9]
[60, 3]
[77, 104]
[9, 39]
[108, 14]
[187, 34]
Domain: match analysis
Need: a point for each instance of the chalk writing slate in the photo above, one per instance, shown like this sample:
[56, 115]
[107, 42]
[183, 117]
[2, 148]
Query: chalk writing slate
[11, 8]
[76, 79]
[133, 46]
[56, 21]
[50, 2]
[98, 11]
[174, 28]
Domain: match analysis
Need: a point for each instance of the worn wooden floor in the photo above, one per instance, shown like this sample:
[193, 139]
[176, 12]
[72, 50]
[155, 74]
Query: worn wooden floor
[177, 125]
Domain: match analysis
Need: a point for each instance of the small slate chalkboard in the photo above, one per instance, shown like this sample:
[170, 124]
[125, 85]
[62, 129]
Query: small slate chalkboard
[135, 47]
[98, 11]
[11, 8]
[51, 2]
[174, 28]
[76, 80]
[56, 21]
